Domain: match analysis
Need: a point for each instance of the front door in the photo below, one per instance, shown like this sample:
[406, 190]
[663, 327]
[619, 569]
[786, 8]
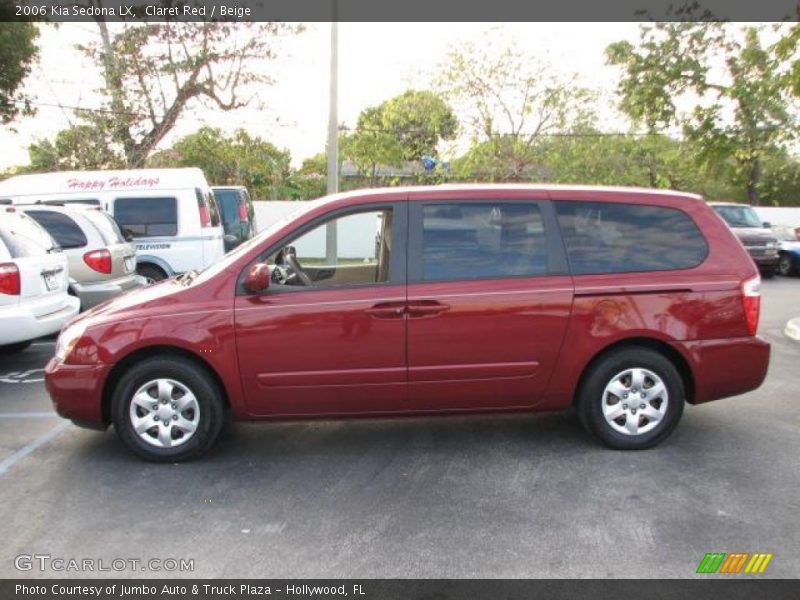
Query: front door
[328, 337]
[489, 299]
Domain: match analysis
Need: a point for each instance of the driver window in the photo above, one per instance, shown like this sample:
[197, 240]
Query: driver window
[354, 249]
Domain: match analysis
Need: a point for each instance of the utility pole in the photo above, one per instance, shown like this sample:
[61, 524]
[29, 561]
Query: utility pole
[331, 235]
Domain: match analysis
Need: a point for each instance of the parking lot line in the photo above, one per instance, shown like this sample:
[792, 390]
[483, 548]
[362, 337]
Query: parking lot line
[9, 462]
[28, 415]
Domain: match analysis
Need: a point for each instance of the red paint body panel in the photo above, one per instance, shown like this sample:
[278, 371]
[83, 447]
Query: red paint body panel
[457, 346]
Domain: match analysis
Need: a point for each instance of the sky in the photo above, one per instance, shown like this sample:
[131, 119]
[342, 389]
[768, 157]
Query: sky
[376, 61]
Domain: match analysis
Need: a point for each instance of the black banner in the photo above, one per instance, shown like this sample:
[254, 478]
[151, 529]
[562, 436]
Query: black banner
[412, 589]
[398, 10]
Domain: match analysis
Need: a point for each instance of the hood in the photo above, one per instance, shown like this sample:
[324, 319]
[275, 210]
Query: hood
[754, 233]
[162, 294]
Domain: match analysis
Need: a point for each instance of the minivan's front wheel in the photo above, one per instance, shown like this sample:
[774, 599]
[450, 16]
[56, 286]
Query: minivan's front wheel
[167, 409]
[631, 399]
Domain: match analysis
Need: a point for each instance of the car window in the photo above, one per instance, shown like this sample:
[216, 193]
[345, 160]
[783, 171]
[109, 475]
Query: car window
[25, 237]
[106, 225]
[65, 231]
[353, 249]
[739, 216]
[469, 240]
[606, 237]
[228, 202]
[146, 217]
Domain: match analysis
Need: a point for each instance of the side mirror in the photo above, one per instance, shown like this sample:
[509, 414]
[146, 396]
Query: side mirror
[766, 224]
[257, 278]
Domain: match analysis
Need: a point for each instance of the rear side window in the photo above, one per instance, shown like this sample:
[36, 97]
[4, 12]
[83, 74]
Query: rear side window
[605, 237]
[65, 231]
[145, 217]
[106, 225]
[25, 237]
[228, 202]
[469, 240]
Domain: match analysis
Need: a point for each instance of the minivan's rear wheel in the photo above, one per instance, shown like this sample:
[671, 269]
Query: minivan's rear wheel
[631, 399]
[167, 409]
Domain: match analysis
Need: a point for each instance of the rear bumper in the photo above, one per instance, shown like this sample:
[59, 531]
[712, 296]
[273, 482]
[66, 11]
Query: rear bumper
[77, 391]
[92, 294]
[19, 324]
[728, 367]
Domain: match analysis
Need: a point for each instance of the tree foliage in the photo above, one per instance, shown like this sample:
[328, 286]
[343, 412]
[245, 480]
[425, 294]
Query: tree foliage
[18, 51]
[740, 106]
[238, 160]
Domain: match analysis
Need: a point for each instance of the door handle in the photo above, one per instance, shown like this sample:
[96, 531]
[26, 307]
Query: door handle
[387, 310]
[427, 308]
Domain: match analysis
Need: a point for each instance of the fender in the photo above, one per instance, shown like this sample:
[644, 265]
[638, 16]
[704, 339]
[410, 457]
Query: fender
[155, 260]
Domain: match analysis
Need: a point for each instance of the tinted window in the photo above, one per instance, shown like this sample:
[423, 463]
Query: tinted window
[66, 232]
[228, 201]
[144, 217]
[477, 240]
[25, 237]
[106, 225]
[604, 237]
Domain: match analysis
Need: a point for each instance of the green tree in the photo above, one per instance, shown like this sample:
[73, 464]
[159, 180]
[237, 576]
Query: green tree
[18, 51]
[740, 109]
[510, 102]
[402, 129]
[238, 160]
[75, 148]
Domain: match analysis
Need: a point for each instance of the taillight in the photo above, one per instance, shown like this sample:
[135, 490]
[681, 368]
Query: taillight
[751, 297]
[9, 279]
[243, 212]
[99, 260]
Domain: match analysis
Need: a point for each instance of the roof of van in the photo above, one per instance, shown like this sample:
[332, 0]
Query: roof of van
[71, 182]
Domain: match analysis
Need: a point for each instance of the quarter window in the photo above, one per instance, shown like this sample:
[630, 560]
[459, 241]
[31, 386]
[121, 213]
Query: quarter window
[607, 237]
[66, 232]
[469, 240]
[146, 217]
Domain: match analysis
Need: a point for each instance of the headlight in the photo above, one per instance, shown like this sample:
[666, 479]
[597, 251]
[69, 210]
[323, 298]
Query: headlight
[68, 338]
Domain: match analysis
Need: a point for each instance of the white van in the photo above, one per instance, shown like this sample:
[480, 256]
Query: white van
[170, 214]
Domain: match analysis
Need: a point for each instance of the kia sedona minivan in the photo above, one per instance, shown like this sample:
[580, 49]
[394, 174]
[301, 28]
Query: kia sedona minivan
[624, 303]
[170, 214]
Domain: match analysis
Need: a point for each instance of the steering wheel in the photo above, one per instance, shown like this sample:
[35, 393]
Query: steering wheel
[290, 257]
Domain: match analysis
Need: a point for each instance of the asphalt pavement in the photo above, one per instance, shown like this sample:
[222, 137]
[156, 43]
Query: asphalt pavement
[502, 496]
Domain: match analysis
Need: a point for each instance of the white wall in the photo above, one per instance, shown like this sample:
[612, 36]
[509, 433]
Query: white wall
[779, 216]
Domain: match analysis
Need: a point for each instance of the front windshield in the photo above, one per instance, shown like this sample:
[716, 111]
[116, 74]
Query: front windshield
[256, 240]
[739, 216]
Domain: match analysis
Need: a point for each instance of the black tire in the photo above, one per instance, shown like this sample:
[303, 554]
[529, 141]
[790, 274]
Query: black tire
[785, 266]
[603, 372]
[15, 348]
[769, 273]
[187, 373]
[151, 272]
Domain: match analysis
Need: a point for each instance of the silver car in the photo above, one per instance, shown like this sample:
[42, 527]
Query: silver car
[102, 264]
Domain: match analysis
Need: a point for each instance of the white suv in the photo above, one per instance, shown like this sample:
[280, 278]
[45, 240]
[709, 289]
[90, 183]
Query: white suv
[34, 277]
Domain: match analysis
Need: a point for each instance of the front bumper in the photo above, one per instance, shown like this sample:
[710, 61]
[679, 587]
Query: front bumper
[727, 367]
[766, 261]
[19, 324]
[92, 294]
[77, 391]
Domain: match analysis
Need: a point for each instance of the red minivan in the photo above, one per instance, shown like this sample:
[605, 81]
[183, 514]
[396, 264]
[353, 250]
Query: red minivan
[625, 303]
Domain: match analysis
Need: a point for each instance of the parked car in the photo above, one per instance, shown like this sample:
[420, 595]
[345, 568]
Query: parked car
[33, 282]
[756, 236]
[171, 214]
[102, 264]
[625, 303]
[788, 249]
[237, 212]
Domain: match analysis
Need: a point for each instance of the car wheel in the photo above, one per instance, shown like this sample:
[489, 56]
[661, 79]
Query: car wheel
[14, 348]
[631, 398]
[167, 409]
[785, 266]
[151, 273]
